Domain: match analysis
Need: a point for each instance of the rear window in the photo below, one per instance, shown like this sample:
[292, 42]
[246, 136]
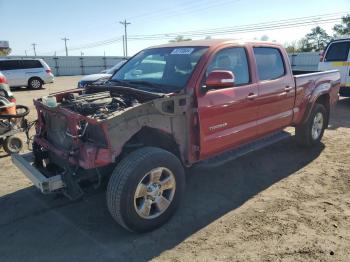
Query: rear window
[269, 63]
[10, 65]
[338, 52]
[31, 64]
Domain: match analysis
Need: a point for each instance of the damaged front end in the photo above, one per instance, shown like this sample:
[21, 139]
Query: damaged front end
[84, 135]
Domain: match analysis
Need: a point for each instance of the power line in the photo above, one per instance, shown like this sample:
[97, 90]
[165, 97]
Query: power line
[34, 50]
[65, 39]
[272, 25]
[125, 24]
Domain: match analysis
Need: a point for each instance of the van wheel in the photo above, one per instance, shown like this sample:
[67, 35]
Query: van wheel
[12, 145]
[35, 83]
[311, 132]
[145, 189]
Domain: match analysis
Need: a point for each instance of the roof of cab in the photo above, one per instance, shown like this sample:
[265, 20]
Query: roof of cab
[212, 42]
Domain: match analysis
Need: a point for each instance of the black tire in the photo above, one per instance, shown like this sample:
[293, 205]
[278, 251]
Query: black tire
[12, 145]
[303, 133]
[35, 83]
[127, 176]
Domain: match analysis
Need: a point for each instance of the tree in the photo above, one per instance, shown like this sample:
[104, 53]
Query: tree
[5, 51]
[180, 38]
[292, 47]
[264, 38]
[316, 40]
[343, 28]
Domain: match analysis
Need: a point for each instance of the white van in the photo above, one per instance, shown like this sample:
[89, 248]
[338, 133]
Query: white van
[32, 73]
[337, 56]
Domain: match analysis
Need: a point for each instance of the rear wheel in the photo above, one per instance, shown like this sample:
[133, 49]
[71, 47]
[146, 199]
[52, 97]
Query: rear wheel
[145, 189]
[12, 145]
[311, 132]
[35, 83]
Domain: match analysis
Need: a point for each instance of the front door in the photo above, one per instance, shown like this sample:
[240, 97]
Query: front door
[337, 57]
[13, 72]
[228, 116]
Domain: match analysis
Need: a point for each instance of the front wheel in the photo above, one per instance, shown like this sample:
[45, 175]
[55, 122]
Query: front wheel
[145, 189]
[311, 132]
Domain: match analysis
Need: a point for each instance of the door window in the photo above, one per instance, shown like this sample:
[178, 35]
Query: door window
[338, 52]
[269, 63]
[9, 65]
[234, 60]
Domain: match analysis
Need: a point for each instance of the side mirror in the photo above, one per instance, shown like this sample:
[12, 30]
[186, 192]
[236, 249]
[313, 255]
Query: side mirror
[220, 79]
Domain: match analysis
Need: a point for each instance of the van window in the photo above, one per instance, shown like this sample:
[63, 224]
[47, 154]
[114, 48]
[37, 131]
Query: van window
[234, 60]
[10, 65]
[338, 52]
[269, 63]
[31, 64]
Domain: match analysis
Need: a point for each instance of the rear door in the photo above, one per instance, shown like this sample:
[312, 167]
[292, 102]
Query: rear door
[276, 89]
[337, 56]
[13, 71]
[227, 116]
[32, 68]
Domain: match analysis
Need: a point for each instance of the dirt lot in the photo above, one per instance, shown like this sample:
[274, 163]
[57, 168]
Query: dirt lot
[281, 203]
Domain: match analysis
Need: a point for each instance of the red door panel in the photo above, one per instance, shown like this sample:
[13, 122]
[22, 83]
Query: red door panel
[227, 119]
[276, 89]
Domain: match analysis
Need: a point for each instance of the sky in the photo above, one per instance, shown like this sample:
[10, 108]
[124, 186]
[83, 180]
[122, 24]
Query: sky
[91, 23]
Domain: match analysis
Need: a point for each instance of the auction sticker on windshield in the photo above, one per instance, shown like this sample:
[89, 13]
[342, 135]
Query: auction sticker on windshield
[182, 51]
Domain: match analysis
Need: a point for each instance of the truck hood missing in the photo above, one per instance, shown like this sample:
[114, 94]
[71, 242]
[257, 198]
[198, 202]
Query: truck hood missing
[91, 129]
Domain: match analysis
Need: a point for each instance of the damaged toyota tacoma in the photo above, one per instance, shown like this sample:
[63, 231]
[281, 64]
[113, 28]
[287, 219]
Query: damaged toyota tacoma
[167, 108]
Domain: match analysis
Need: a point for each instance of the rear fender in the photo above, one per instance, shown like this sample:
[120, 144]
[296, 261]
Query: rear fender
[320, 90]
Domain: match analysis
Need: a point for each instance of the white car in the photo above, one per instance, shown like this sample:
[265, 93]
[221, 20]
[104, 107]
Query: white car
[32, 73]
[104, 74]
[337, 56]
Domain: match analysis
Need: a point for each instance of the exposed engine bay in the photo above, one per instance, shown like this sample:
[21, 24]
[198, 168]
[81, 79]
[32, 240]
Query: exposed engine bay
[101, 101]
[98, 105]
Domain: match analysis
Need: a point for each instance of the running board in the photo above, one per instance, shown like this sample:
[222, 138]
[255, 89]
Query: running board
[243, 150]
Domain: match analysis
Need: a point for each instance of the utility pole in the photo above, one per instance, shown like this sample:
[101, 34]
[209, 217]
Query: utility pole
[125, 24]
[124, 46]
[25, 51]
[34, 45]
[65, 39]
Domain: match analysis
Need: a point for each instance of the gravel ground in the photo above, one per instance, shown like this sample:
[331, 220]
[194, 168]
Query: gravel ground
[281, 203]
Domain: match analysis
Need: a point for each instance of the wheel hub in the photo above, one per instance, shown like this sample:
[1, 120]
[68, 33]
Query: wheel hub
[154, 190]
[154, 193]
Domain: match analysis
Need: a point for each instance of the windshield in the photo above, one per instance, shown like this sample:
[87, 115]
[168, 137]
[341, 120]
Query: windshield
[116, 67]
[164, 69]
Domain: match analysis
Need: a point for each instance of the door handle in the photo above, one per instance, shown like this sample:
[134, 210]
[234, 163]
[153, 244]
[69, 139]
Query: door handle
[288, 88]
[252, 96]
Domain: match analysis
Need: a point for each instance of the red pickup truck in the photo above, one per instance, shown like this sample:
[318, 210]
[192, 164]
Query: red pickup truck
[170, 107]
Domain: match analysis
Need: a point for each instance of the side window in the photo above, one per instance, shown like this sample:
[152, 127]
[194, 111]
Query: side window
[269, 63]
[234, 60]
[337, 52]
[9, 65]
[31, 64]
